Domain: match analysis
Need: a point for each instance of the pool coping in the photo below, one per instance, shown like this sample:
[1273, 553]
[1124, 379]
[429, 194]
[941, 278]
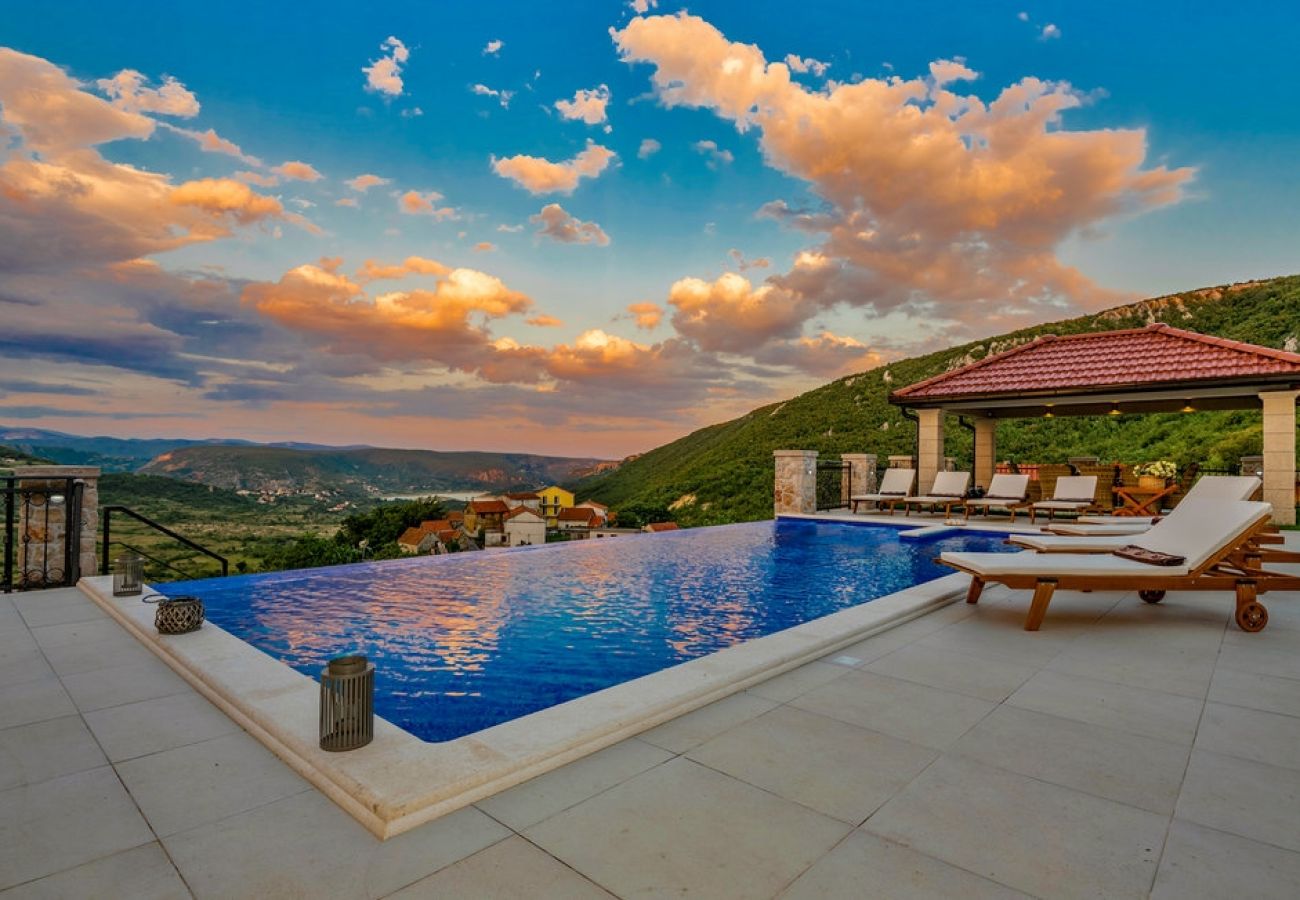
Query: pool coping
[400, 781]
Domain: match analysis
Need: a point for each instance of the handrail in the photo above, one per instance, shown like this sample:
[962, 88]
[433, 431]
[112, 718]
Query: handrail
[108, 520]
[153, 559]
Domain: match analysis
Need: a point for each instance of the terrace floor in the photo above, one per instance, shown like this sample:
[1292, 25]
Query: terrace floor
[1124, 750]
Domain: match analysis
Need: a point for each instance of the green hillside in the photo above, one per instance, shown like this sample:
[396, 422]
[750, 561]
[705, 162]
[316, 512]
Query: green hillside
[723, 473]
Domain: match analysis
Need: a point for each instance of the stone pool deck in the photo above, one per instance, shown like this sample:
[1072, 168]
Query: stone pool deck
[1123, 751]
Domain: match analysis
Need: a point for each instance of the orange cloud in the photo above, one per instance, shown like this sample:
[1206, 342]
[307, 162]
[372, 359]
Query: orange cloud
[363, 183]
[731, 315]
[384, 75]
[413, 203]
[258, 179]
[930, 194]
[544, 321]
[127, 88]
[541, 176]
[558, 225]
[586, 106]
[412, 265]
[211, 142]
[647, 315]
[484, 247]
[227, 197]
[826, 355]
[297, 171]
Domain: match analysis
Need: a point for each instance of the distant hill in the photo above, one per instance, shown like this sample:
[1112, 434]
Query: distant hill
[723, 473]
[12, 456]
[281, 469]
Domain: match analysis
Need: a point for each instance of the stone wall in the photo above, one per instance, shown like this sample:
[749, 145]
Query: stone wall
[795, 488]
[860, 477]
[43, 524]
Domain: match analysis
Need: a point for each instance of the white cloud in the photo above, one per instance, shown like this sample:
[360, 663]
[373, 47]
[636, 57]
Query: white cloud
[586, 105]
[127, 90]
[649, 147]
[1022, 16]
[1049, 32]
[493, 48]
[558, 225]
[384, 75]
[804, 65]
[365, 182]
[503, 97]
[641, 7]
[716, 156]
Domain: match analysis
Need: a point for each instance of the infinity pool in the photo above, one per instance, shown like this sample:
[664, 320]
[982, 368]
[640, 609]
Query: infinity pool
[467, 641]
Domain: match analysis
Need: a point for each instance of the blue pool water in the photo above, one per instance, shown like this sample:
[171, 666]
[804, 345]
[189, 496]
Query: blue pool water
[467, 641]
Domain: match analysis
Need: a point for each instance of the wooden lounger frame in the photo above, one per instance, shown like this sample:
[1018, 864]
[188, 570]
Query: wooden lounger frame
[1010, 504]
[1237, 567]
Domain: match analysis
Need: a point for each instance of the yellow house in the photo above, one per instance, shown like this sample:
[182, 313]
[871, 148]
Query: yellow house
[553, 500]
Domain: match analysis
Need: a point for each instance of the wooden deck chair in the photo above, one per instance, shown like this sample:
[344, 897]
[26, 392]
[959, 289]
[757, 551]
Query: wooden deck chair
[1073, 493]
[948, 490]
[1209, 552]
[1009, 492]
[895, 486]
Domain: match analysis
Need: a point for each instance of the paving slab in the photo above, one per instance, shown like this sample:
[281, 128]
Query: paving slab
[1250, 799]
[33, 753]
[1156, 714]
[694, 728]
[1200, 862]
[1037, 837]
[797, 682]
[1251, 734]
[34, 701]
[162, 723]
[116, 685]
[144, 873]
[660, 834]
[952, 670]
[511, 868]
[1270, 693]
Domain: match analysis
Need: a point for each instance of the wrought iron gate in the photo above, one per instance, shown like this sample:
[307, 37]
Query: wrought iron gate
[834, 484]
[42, 533]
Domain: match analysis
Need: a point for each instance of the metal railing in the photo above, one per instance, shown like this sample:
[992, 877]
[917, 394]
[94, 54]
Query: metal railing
[107, 543]
[36, 555]
[834, 485]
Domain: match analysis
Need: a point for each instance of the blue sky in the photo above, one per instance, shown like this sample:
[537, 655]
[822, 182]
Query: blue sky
[741, 301]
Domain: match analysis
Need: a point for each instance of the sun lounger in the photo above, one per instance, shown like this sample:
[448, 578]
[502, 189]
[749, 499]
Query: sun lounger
[895, 486]
[1073, 493]
[1007, 492]
[1220, 487]
[1065, 538]
[1214, 541]
[948, 490]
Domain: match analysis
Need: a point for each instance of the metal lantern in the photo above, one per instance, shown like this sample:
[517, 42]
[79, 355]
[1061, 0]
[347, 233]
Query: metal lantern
[128, 575]
[347, 703]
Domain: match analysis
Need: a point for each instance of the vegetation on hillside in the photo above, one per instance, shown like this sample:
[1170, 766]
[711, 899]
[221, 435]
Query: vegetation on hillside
[723, 473]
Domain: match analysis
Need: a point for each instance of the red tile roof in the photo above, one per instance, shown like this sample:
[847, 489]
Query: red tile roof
[412, 537]
[523, 495]
[583, 514]
[435, 525]
[1138, 357]
[488, 507]
[661, 526]
[519, 511]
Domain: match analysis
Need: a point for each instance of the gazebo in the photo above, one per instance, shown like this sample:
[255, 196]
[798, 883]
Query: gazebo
[1140, 370]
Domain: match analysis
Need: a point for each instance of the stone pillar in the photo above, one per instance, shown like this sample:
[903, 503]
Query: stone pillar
[796, 481]
[860, 477]
[902, 462]
[45, 525]
[1279, 453]
[930, 459]
[986, 448]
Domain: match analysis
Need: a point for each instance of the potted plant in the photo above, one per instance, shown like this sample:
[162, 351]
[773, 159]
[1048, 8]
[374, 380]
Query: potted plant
[1156, 475]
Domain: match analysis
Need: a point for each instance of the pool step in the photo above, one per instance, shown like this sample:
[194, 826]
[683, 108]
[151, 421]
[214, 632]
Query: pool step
[926, 532]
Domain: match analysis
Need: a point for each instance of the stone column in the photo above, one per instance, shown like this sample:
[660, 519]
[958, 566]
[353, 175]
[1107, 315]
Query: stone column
[43, 550]
[902, 462]
[861, 475]
[796, 481]
[930, 459]
[986, 448]
[1279, 453]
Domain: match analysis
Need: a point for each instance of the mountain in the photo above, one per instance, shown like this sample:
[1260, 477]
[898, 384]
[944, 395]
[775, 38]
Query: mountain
[265, 469]
[723, 473]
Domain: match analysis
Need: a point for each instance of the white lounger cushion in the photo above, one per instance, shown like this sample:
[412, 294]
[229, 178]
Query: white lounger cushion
[1061, 543]
[1063, 504]
[896, 483]
[1215, 487]
[1119, 526]
[1197, 530]
[947, 486]
[1075, 488]
[1004, 489]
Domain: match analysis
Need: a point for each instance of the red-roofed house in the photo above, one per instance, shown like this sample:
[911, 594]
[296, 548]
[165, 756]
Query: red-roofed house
[1139, 370]
[485, 515]
[656, 527]
[579, 517]
[530, 499]
[430, 536]
[524, 527]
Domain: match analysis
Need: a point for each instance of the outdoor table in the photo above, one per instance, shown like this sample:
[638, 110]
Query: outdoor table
[1140, 501]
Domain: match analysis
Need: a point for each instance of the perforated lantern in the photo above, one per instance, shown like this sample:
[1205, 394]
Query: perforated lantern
[347, 703]
[128, 575]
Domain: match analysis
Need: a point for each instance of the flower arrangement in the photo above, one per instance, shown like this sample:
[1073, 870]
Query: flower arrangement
[1163, 468]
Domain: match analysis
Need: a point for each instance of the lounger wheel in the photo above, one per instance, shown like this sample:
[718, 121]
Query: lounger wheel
[1152, 596]
[1252, 617]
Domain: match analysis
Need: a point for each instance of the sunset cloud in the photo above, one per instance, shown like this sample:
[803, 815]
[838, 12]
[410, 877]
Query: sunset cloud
[732, 315]
[804, 65]
[297, 171]
[363, 183]
[371, 270]
[538, 175]
[485, 247]
[587, 105]
[128, 91]
[384, 75]
[258, 179]
[647, 315]
[211, 142]
[544, 321]
[492, 48]
[825, 355]
[649, 147]
[502, 97]
[715, 155]
[558, 225]
[929, 195]
[413, 203]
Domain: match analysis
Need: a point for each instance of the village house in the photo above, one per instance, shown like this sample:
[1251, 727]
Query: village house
[523, 527]
[656, 527]
[527, 499]
[579, 518]
[553, 499]
[485, 516]
[430, 536]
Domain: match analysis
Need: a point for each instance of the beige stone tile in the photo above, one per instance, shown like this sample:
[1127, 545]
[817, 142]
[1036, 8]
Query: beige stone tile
[866, 865]
[662, 834]
[1134, 709]
[1104, 762]
[1036, 837]
[1280, 660]
[201, 783]
[305, 846]
[64, 822]
[163, 723]
[34, 701]
[1269, 693]
[1251, 734]
[70, 633]
[836, 768]
[43, 611]
[23, 665]
[116, 685]
[997, 632]
[902, 709]
[1144, 661]
[43, 750]
[950, 670]
[544, 796]
[1249, 799]
[784, 688]
[144, 873]
[692, 729]
[86, 656]
[512, 868]
[1201, 862]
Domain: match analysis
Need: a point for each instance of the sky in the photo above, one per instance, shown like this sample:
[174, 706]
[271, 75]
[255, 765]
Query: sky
[590, 228]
